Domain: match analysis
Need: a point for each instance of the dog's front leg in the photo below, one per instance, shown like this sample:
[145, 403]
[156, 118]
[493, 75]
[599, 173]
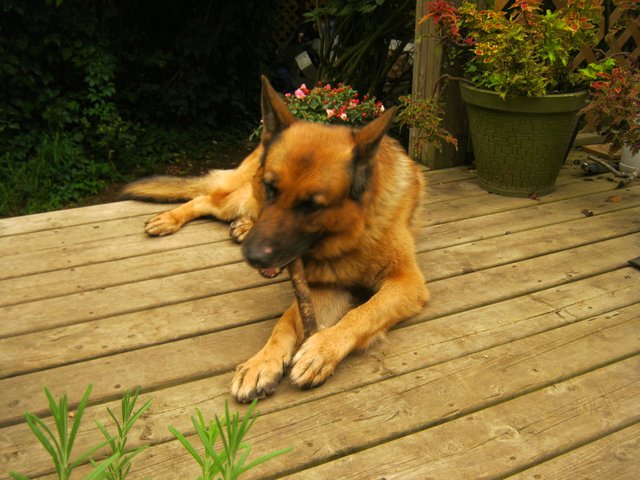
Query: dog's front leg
[259, 376]
[399, 298]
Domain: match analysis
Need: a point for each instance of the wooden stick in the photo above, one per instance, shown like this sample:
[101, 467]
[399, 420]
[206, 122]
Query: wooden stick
[303, 296]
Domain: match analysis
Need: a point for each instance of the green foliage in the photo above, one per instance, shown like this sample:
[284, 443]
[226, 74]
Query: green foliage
[525, 50]
[49, 172]
[119, 469]
[230, 460]
[60, 444]
[107, 88]
[424, 114]
[361, 40]
[615, 106]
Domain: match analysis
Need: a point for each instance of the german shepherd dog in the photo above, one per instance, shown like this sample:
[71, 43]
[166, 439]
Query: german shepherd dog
[342, 199]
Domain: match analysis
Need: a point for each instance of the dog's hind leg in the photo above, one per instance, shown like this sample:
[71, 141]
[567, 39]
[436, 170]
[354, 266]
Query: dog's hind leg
[221, 203]
[229, 197]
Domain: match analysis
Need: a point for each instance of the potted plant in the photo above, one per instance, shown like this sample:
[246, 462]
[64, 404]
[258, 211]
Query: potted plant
[326, 104]
[521, 93]
[615, 109]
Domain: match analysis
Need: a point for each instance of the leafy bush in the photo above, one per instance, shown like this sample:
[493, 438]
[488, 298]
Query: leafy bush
[361, 40]
[615, 106]
[91, 91]
[525, 50]
[424, 114]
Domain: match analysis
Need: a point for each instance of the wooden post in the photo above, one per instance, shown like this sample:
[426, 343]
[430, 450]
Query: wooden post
[427, 69]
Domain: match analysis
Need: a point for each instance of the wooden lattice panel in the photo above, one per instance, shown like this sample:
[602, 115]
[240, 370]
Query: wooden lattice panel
[290, 16]
[286, 21]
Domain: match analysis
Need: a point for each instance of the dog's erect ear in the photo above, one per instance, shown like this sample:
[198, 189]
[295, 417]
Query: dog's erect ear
[275, 114]
[367, 141]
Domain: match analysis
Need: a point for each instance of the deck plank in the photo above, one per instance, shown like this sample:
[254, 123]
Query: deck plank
[499, 440]
[614, 456]
[524, 363]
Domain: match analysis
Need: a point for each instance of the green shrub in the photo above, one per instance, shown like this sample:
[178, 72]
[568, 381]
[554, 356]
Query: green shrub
[91, 92]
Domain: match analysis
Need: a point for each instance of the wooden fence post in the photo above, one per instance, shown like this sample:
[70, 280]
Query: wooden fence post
[427, 69]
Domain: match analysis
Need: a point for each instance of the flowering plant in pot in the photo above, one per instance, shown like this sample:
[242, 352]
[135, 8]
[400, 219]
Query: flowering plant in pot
[615, 109]
[326, 104]
[512, 60]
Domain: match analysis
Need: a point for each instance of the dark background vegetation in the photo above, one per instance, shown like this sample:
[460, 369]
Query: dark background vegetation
[94, 93]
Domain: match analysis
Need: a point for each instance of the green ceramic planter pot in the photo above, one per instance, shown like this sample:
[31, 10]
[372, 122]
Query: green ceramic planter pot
[520, 143]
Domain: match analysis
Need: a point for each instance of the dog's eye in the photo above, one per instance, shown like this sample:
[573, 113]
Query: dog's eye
[309, 205]
[270, 190]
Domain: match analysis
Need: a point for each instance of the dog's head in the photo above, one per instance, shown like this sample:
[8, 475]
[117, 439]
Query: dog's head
[312, 185]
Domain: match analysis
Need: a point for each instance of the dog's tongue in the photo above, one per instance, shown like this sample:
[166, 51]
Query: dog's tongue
[270, 272]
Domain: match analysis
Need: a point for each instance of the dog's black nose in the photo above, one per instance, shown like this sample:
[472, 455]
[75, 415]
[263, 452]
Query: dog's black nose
[258, 255]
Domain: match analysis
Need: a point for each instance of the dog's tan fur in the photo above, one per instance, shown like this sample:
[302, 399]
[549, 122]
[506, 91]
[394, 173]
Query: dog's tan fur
[342, 199]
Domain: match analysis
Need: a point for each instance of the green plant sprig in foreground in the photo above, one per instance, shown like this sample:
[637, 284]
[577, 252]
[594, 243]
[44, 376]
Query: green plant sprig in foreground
[59, 445]
[119, 469]
[230, 460]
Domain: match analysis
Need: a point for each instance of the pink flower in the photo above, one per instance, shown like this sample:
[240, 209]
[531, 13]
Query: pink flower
[287, 95]
[343, 116]
[330, 112]
[299, 93]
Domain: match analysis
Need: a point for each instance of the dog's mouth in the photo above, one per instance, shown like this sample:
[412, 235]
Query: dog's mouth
[272, 272]
[270, 260]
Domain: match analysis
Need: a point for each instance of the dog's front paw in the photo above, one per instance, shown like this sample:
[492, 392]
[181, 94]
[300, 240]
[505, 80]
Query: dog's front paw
[315, 361]
[163, 224]
[240, 228]
[258, 377]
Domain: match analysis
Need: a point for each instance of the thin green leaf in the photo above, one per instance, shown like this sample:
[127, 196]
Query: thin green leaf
[78, 417]
[35, 424]
[107, 435]
[186, 444]
[82, 458]
[135, 452]
[18, 476]
[115, 420]
[134, 418]
[55, 412]
[100, 471]
[264, 458]
[239, 464]
[220, 462]
[225, 443]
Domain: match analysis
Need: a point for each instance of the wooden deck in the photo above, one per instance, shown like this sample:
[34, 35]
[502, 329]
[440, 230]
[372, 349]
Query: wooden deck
[524, 365]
